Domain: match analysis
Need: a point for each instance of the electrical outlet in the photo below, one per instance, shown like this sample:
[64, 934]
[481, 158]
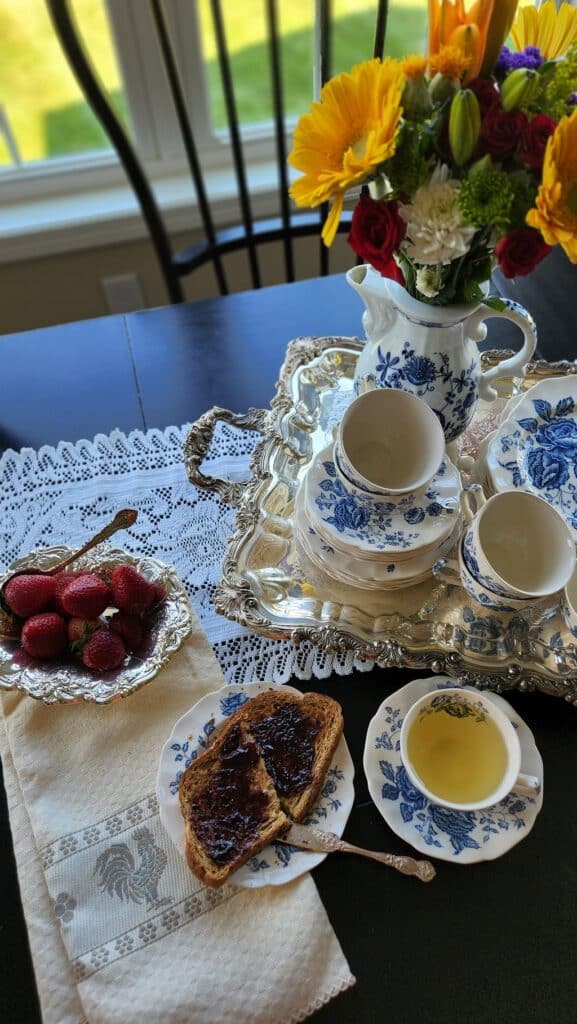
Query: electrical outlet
[123, 293]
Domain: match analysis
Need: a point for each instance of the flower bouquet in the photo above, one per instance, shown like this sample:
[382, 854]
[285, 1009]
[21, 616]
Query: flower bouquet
[465, 158]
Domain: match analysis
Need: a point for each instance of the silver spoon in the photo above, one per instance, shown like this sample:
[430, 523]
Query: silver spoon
[122, 520]
[306, 837]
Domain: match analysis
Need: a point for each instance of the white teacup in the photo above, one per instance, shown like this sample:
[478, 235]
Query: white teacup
[461, 751]
[452, 571]
[389, 442]
[516, 545]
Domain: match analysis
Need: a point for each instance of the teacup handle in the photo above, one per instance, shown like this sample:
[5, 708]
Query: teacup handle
[515, 365]
[527, 785]
[447, 569]
[473, 491]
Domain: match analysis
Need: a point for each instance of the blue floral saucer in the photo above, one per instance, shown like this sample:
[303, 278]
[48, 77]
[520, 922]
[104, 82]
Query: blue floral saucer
[535, 448]
[377, 526]
[279, 862]
[457, 836]
[362, 572]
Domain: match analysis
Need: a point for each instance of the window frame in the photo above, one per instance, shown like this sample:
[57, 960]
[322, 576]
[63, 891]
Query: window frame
[89, 195]
[155, 129]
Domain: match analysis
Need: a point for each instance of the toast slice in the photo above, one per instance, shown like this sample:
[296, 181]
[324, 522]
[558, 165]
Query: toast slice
[297, 737]
[230, 806]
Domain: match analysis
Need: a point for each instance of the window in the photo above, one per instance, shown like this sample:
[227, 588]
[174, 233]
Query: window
[44, 114]
[51, 145]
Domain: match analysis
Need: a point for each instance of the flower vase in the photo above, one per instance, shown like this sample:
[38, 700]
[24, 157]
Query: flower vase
[432, 351]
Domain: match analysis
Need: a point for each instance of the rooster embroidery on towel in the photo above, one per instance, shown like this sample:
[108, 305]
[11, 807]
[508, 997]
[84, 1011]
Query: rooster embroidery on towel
[119, 875]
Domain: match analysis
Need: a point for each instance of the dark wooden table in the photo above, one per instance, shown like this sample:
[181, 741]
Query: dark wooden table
[492, 942]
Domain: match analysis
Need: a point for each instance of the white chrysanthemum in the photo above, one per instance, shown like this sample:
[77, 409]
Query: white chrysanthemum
[436, 231]
[428, 281]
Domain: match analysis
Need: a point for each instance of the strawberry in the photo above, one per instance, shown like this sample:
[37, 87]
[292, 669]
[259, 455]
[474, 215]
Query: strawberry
[80, 631]
[86, 597]
[131, 592]
[44, 636]
[159, 593]
[27, 595]
[104, 651]
[61, 581]
[130, 628]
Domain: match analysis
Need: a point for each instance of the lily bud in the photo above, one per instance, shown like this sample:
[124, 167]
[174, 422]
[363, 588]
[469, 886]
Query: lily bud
[469, 40]
[502, 17]
[518, 88]
[441, 88]
[416, 100]
[464, 125]
[484, 164]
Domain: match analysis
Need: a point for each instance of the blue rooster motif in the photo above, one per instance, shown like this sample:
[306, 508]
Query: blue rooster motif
[118, 873]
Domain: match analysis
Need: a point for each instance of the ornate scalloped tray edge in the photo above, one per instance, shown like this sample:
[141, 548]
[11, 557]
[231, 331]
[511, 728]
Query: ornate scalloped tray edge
[269, 586]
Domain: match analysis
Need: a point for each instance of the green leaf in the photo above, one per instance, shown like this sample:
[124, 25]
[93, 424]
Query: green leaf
[494, 302]
[471, 291]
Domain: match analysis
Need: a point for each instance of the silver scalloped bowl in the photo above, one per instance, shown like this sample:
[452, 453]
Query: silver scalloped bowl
[67, 681]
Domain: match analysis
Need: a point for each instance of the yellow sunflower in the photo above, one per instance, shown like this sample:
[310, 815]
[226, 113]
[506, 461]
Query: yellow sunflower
[347, 135]
[552, 30]
[555, 215]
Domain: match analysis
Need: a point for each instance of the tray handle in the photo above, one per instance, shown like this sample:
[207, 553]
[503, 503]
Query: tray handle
[198, 441]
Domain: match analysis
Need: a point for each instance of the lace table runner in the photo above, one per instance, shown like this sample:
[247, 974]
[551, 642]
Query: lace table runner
[64, 495]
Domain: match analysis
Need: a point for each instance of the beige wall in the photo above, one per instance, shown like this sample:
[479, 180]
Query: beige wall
[56, 289]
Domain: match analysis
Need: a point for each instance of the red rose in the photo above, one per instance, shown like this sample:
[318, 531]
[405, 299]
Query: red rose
[520, 251]
[502, 131]
[376, 233]
[486, 93]
[534, 140]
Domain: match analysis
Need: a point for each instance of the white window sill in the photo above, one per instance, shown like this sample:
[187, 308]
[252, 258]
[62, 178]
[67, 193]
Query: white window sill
[101, 216]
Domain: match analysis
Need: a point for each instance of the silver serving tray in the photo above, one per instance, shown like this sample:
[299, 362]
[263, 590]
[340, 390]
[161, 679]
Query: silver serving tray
[67, 681]
[270, 587]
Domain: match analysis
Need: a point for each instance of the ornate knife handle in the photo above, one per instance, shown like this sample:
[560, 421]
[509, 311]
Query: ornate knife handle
[198, 442]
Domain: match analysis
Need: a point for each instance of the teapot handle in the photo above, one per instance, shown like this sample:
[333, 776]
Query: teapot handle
[515, 365]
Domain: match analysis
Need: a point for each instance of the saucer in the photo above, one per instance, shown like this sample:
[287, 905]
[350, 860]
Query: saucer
[381, 527]
[535, 447]
[358, 572]
[279, 862]
[461, 837]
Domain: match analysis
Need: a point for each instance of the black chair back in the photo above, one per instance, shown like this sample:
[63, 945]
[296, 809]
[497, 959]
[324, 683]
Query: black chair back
[247, 235]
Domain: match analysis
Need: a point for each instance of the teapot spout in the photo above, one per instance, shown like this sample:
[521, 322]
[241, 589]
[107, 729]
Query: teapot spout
[379, 310]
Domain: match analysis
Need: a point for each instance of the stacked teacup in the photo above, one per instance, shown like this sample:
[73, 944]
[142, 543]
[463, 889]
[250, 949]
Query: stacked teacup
[381, 505]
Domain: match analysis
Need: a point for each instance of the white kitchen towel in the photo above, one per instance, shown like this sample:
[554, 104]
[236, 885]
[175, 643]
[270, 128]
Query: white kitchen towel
[143, 940]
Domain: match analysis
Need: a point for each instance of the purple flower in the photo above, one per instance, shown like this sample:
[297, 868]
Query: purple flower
[420, 370]
[531, 57]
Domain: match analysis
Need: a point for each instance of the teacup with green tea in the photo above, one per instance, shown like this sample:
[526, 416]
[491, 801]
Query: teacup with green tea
[461, 751]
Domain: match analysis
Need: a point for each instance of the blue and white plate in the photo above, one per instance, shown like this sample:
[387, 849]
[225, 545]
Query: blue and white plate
[376, 526]
[535, 447]
[279, 862]
[461, 837]
[362, 572]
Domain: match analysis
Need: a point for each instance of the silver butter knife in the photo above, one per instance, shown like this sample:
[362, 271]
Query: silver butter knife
[307, 837]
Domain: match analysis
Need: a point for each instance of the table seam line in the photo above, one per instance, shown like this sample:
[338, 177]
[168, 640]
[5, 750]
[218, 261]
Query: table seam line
[135, 372]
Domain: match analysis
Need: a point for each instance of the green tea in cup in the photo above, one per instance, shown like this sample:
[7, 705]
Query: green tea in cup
[462, 751]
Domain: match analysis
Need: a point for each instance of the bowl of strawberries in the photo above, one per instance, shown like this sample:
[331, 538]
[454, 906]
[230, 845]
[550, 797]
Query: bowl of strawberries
[96, 631]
